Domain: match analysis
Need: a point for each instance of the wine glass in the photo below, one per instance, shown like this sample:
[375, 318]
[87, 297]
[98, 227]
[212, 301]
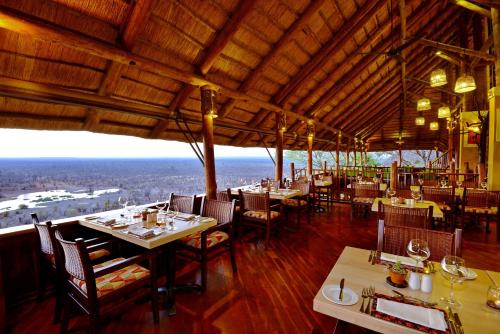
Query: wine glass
[484, 184]
[390, 192]
[421, 181]
[123, 201]
[375, 179]
[415, 194]
[443, 182]
[453, 269]
[130, 210]
[459, 184]
[172, 213]
[418, 250]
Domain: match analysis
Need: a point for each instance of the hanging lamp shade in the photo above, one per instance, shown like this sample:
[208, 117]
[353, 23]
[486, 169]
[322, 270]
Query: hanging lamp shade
[444, 112]
[423, 104]
[465, 83]
[434, 126]
[310, 129]
[282, 121]
[438, 78]
[420, 120]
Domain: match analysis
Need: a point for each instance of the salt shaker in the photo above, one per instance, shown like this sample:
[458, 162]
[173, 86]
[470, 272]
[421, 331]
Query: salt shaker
[414, 281]
[426, 285]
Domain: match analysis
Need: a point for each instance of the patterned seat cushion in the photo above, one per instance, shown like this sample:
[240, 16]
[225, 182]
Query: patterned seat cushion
[485, 211]
[444, 207]
[99, 254]
[214, 238]
[115, 280]
[293, 202]
[364, 200]
[261, 214]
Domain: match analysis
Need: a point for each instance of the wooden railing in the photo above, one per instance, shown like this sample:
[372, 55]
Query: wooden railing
[440, 162]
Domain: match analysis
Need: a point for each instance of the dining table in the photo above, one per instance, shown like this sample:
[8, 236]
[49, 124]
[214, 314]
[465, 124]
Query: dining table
[274, 194]
[436, 211]
[357, 272]
[382, 186]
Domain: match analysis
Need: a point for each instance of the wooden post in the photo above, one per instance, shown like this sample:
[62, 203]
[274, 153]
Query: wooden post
[325, 168]
[337, 156]
[208, 112]
[400, 157]
[279, 150]
[310, 155]
[347, 152]
[394, 175]
[292, 171]
[355, 160]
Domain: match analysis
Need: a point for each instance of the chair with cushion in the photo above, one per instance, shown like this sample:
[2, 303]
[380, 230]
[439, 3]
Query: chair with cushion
[185, 204]
[200, 245]
[444, 198]
[394, 240]
[362, 197]
[300, 204]
[106, 288]
[256, 211]
[480, 204]
[325, 193]
[404, 216]
[49, 258]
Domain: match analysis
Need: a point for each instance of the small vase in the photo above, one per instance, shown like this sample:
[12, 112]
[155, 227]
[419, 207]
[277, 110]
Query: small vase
[414, 281]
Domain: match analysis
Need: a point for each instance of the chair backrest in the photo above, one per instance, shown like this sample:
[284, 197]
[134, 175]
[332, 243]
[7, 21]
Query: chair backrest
[370, 190]
[184, 204]
[220, 210]
[404, 216]
[328, 178]
[478, 198]
[77, 262]
[254, 202]
[224, 195]
[439, 195]
[395, 239]
[304, 187]
[276, 184]
[403, 192]
[45, 235]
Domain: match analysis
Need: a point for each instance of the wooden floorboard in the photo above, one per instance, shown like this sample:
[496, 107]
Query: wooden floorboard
[273, 289]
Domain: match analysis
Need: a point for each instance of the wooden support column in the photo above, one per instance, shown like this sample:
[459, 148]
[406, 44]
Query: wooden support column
[278, 157]
[347, 152]
[310, 140]
[337, 157]
[325, 168]
[394, 175]
[207, 110]
[355, 158]
[400, 157]
[292, 171]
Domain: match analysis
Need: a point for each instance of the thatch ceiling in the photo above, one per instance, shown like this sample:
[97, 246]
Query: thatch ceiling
[127, 67]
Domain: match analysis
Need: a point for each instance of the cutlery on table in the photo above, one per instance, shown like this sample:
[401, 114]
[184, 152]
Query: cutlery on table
[414, 299]
[364, 295]
[371, 292]
[451, 321]
[341, 293]
[371, 256]
[375, 256]
[458, 323]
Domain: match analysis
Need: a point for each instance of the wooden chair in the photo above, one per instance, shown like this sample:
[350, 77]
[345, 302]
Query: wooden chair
[185, 204]
[326, 193]
[480, 204]
[49, 258]
[109, 287]
[444, 198]
[395, 239]
[300, 204]
[256, 211]
[362, 196]
[211, 241]
[404, 216]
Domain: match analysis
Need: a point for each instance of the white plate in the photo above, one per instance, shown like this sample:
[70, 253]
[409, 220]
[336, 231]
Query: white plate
[331, 292]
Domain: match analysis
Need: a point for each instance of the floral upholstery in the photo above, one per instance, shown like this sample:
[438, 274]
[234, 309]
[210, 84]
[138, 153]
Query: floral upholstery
[99, 254]
[214, 238]
[261, 214]
[444, 207]
[364, 200]
[485, 211]
[115, 280]
[293, 202]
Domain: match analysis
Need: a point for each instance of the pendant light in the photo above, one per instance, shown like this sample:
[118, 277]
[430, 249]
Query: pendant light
[438, 78]
[444, 112]
[420, 120]
[434, 126]
[465, 83]
[423, 104]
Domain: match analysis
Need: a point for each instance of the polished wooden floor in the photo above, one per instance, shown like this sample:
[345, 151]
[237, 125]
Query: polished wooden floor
[272, 291]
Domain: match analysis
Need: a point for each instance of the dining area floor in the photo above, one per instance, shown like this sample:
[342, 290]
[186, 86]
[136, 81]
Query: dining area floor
[273, 289]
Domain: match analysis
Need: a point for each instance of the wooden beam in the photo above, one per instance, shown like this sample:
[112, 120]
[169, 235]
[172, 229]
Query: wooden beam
[473, 7]
[457, 49]
[136, 21]
[287, 37]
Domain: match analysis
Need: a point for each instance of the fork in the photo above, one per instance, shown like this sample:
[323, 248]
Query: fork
[364, 295]
[370, 294]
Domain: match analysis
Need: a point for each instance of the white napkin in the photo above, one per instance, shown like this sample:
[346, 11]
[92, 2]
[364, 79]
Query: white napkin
[141, 232]
[184, 216]
[404, 260]
[419, 315]
[105, 221]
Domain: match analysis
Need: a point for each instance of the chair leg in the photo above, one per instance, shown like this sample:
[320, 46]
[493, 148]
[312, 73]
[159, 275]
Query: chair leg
[204, 268]
[94, 323]
[233, 257]
[59, 302]
[268, 235]
[65, 315]
[154, 291]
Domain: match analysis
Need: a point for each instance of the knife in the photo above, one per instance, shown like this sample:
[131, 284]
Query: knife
[341, 293]
[451, 320]
[370, 257]
[458, 322]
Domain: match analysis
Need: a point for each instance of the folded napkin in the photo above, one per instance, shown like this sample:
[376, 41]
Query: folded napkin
[141, 232]
[404, 260]
[428, 317]
[184, 216]
[106, 221]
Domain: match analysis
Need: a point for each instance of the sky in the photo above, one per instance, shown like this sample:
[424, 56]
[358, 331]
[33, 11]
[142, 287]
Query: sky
[16, 143]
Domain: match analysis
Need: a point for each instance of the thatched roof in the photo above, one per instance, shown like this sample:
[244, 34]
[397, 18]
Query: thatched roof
[127, 67]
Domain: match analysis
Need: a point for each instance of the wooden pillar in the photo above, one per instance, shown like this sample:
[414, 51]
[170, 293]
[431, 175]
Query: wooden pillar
[337, 155]
[355, 160]
[347, 152]
[325, 168]
[400, 157]
[292, 171]
[394, 175]
[310, 140]
[278, 156]
[208, 114]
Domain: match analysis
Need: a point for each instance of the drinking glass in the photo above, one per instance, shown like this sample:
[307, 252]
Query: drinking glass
[484, 185]
[453, 269]
[415, 194]
[131, 206]
[418, 250]
[459, 184]
[375, 179]
[172, 213]
[123, 201]
[390, 192]
[493, 297]
[421, 181]
[443, 183]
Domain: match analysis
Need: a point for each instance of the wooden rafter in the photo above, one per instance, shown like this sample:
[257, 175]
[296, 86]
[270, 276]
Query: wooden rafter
[473, 7]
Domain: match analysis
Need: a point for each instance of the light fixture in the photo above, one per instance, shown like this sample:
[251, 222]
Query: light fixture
[434, 126]
[438, 78]
[465, 83]
[483, 113]
[420, 120]
[474, 128]
[439, 52]
[282, 121]
[208, 105]
[310, 129]
[444, 112]
[423, 104]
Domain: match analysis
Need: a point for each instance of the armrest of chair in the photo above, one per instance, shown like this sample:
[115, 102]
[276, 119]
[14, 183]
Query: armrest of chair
[121, 264]
[275, 206]
[216, 228]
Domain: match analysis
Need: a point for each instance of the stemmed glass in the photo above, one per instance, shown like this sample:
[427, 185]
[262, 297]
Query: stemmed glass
[459, 184]
[484, 184]
[421, 181]
[418, 250]
[444, 182]
[375, 179]
[453, 269]
[123, 201]
[172, 213]
[415, 194]
[390, 192]
[130, 210]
